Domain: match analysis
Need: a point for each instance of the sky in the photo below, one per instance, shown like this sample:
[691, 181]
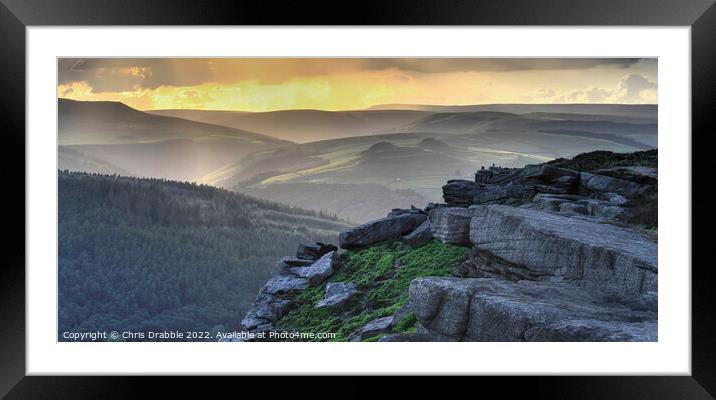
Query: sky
[269, 84]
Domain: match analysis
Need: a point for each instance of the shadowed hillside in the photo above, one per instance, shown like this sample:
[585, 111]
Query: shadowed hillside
[149, 254]
[128, 141]
[108, 122]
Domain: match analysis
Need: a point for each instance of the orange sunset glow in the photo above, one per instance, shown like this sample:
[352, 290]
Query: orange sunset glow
[261, 84]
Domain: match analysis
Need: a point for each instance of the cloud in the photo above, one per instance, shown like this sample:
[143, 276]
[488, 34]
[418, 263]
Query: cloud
[126, 74]
[632, 88]
[635, 88]
[544, 92]
[443, 65]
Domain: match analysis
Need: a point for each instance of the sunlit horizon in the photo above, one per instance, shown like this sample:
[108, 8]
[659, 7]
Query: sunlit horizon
[386, 106]
[260, 85]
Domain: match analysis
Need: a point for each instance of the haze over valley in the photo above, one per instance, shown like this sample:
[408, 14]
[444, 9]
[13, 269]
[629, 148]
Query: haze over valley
[112, 137]
[390, 158]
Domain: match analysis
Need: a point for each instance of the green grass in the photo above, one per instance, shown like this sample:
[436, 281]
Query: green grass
[408, 323]
[382, 273]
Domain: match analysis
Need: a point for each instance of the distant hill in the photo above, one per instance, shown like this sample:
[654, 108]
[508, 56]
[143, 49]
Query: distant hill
[631, 110]
[108, 122]
[149, 254]
[303, 126]
[638, 133]
[418, 161]
[141, 144]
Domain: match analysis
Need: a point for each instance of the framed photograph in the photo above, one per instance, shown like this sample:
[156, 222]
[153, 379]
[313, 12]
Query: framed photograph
[447, 189]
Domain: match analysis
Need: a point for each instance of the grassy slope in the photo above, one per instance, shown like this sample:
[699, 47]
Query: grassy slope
[382, 273]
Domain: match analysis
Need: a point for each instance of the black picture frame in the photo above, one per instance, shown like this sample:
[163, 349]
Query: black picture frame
[16, 15]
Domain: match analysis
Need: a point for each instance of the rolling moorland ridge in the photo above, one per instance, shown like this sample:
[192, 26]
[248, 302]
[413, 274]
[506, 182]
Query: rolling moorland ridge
[559, 251]
[354, 164]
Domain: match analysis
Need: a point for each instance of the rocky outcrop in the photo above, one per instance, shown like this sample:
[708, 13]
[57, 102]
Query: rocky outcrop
[317, 272]
[606, 206]
[459, 192]
[268, 308]
[601, 194]
[483, 264]
[451, 225]
[420, 236]
[488, 194]
[589, 183]
[337, 294]
[496, 175]
[544, 178]
[554, 247]
[295, 274]
[380, 230]
[514, 185]
[546, 261]
[497, 310]
[552, 202]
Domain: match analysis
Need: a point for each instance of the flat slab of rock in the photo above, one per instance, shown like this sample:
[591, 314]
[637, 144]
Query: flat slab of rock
[422, 235]
[319, 271]
[473, 309]
[451, 225]
[559, 248]
[372, 328]
[280, 284]
[380, 230]
[337, 294]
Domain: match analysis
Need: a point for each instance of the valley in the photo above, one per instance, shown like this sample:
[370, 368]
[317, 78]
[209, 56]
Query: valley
[322, 160]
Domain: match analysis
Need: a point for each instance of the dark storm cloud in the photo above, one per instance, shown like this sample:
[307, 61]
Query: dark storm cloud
[120, 74]
[112, 74]
[117, 74]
